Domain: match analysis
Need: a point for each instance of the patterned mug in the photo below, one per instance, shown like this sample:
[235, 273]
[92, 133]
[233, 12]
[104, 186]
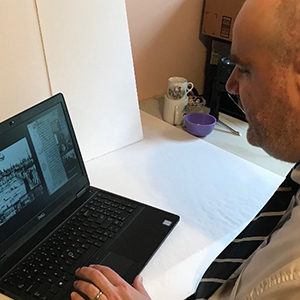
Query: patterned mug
[178, 87]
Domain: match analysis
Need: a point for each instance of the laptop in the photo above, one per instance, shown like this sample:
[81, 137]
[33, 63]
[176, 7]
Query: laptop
[52, 221]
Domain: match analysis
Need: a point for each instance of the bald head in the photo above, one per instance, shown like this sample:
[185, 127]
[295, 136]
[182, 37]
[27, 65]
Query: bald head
[286, 31]
[276, 24]
[265, 48]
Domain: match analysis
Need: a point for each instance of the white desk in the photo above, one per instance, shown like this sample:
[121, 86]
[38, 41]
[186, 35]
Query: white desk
[220, 137]
[215, 193]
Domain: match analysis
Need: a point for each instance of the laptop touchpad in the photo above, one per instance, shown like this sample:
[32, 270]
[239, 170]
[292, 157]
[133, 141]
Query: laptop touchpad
[118, 263]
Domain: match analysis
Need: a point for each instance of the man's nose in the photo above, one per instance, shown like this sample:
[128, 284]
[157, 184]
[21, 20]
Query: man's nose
[232, 86]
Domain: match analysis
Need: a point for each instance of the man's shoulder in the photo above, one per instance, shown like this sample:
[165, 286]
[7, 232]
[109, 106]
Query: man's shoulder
[282, 284]
[277, 265]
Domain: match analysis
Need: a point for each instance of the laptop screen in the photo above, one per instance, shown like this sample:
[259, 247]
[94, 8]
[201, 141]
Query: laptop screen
[38, 160]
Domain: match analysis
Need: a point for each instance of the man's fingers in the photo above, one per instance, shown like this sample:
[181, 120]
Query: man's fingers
[138, 285]
[110, 274]
[86, 288]
[76, 296]
[117, 280]
[96, 277]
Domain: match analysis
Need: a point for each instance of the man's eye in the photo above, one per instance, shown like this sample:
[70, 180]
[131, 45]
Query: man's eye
[243, 71]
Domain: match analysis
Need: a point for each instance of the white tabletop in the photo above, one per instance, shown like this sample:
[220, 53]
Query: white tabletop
[215, 193]
[222, 138]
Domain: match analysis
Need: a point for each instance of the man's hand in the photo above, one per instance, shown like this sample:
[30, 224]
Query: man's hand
[102, 283]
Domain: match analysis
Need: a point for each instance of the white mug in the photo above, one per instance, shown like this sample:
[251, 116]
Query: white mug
[178, 87]
[174, 109]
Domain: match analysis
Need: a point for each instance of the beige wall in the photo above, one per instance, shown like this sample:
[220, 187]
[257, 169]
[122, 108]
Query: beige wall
[165, 42]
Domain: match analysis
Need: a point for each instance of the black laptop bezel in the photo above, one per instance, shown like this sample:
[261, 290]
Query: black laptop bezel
[136, 242]
[65, 195]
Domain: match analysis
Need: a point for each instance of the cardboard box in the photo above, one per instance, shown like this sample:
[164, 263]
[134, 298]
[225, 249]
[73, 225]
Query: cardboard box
[219, 17]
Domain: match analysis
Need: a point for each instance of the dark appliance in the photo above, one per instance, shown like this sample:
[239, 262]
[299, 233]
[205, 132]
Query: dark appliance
[219, 99]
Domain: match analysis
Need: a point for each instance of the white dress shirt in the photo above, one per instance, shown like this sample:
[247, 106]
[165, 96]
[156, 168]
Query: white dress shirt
[273, 271]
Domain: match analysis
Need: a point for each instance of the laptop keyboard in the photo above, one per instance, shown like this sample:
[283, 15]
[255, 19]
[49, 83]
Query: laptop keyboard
[48, 272]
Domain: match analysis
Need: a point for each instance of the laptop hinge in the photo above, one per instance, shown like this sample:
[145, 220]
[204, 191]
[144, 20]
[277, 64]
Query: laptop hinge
[81, 192]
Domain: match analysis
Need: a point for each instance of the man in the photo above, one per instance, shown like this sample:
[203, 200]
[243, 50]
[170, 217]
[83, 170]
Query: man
[266, 51]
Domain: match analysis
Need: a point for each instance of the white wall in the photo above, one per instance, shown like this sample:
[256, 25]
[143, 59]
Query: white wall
[88, 54]
[165, 42]
[23, 79]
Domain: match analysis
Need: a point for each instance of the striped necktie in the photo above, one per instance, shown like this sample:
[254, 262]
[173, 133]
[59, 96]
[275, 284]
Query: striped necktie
[241, 248]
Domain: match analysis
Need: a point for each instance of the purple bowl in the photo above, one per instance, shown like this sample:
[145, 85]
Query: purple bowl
[199, 124]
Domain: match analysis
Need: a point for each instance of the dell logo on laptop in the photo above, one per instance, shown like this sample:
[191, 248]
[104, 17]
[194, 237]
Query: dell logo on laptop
[41, 216]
